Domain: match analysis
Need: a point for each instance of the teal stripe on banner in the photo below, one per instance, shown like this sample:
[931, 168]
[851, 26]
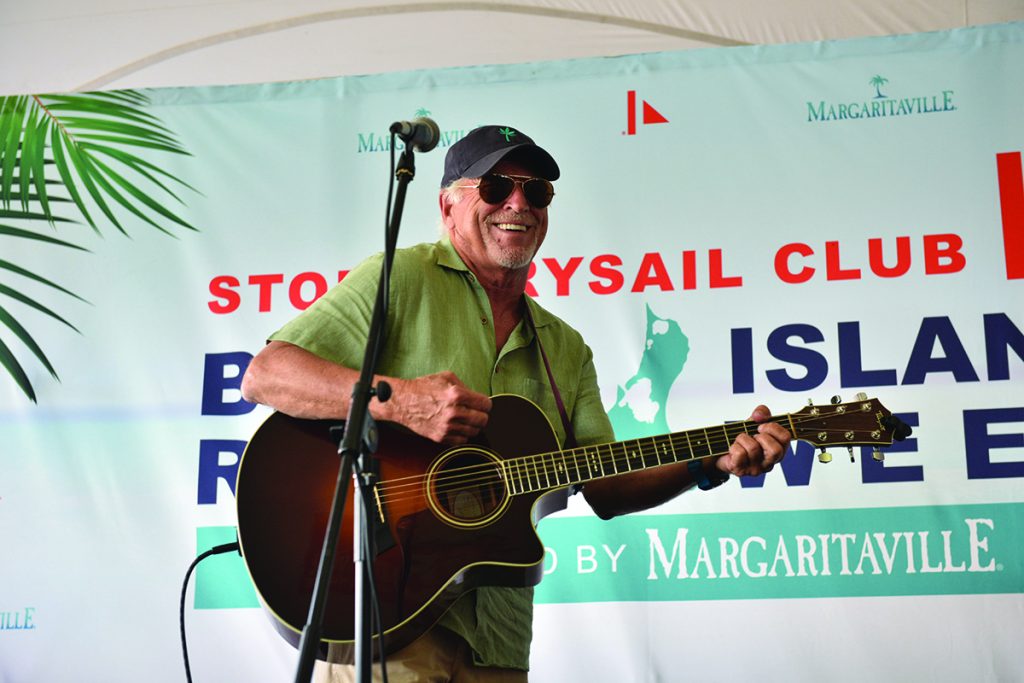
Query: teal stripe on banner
[946, 550]
[222, 581]
[930, 550]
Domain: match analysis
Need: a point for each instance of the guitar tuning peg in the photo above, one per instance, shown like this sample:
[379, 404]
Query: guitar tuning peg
[861, 396]
[836, 400]
[877, 455]
[849, 449]
[824, 456]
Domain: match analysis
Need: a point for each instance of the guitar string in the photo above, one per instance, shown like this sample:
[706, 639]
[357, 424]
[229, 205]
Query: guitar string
[645, 445]
[536, 472]
[648, 447]
[541, 468]
[535, 478]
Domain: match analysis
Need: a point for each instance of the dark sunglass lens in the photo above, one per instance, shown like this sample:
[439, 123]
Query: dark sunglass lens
[495, 188]
[538, 192]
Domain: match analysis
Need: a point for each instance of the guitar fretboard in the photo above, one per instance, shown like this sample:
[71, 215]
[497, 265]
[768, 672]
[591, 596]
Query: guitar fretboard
[545, 471]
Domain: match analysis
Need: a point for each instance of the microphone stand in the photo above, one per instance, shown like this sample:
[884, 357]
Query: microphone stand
[360, 438]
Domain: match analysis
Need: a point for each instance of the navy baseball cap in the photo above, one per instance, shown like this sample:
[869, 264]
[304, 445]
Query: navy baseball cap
[482, 148]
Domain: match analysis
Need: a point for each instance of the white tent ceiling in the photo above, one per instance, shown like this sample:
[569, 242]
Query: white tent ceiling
[55, 45]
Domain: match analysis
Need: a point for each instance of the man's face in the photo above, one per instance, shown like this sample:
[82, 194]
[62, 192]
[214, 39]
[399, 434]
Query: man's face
[494, 237]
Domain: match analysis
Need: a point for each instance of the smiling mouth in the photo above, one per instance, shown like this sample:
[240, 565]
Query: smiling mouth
[512, 227]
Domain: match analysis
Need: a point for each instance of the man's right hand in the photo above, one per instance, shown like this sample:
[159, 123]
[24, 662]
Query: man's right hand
[296, 382]
[439, 407]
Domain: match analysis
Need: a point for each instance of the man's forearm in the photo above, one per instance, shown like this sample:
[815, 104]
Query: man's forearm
[298, 383]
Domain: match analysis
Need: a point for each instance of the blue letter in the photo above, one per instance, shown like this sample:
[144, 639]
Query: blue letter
[1001, 334]
[216, 381]
[812, 361]
[979, 442]
[742, 361]
[210, 469]
[955, 360]
[874, 472]
[851, 372]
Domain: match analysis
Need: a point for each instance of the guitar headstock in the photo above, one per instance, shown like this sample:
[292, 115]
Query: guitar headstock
[864, 422]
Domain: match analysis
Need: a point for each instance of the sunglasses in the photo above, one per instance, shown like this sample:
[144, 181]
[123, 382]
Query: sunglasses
[495, 188]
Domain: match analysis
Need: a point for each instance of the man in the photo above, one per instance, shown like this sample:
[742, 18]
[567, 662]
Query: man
[461, 329]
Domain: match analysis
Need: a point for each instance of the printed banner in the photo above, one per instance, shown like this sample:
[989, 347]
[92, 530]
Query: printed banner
[732, 227]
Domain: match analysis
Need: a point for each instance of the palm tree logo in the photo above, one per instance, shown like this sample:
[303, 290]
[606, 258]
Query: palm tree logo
[57, 152]
[422, 112]
[878, 82]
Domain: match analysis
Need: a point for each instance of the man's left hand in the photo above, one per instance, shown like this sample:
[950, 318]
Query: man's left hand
[757, 454]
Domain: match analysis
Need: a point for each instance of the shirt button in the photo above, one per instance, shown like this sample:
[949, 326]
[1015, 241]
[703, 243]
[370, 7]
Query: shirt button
[483, 320]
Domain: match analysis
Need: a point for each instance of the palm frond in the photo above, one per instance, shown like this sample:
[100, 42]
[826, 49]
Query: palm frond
[11, 231]
[15, 370]
[93, 145]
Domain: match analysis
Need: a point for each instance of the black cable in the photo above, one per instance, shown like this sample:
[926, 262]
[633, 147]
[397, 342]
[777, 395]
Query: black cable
[215, 550]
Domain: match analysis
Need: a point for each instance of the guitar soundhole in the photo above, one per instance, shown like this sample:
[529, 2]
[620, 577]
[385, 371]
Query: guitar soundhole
[467, 487]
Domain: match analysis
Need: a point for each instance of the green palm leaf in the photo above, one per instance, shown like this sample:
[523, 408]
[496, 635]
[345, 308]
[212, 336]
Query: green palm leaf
[87, 144]
[15, 370]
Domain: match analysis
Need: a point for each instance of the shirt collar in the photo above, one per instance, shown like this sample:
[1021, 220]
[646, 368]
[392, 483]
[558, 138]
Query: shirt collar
[448, 257]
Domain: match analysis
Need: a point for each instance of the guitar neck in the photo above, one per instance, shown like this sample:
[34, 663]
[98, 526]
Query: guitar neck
[545, 471]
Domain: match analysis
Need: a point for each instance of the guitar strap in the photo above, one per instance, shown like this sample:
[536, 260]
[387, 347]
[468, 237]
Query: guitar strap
[570, 436]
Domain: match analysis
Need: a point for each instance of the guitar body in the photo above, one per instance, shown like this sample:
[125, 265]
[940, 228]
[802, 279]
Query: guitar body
[447, 521]
[444, 532]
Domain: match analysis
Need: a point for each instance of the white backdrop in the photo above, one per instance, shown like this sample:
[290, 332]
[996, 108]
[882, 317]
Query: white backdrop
[748, 217]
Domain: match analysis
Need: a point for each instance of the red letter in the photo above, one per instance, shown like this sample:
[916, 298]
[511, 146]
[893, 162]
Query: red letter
[221, 286]
[604, 266]
[832, 268]
[689, 269]
[652, 272]
[266, 284]
[877, 262]
[295, 289]
[562, 275]
[782, 263]
[950, 251]
[1011, 203]
[715, 272]
[342, 274]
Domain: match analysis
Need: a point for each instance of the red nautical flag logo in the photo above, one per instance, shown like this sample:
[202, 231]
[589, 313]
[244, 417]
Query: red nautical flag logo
[649, 114]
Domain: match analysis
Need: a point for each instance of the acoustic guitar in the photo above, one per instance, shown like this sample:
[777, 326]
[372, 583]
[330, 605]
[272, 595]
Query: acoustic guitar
[448, 520]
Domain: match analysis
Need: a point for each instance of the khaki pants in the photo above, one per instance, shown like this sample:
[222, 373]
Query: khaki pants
[439, 656]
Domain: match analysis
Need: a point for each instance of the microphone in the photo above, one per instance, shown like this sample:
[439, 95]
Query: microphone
[422, 134]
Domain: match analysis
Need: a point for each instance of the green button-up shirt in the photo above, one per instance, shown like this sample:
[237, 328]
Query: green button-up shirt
[440, 319]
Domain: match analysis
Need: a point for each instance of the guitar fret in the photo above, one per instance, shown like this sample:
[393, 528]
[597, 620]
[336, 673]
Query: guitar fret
[536, 474]
[703, 449]
[648, 460]
[563, 468]
[506, 468]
